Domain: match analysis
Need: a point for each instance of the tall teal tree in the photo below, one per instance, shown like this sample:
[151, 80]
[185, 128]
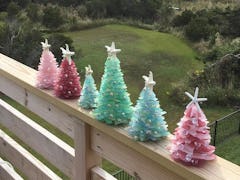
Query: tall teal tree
[113, 102]
[147, 122]
[89, 91]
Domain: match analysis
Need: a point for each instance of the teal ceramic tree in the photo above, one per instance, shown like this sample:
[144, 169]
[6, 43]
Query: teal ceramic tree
[89, 91]
[113, 102]
[147, 122]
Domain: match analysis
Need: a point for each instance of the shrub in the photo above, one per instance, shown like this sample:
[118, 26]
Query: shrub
[222, 97]
[183, 19]
[33, 12]
[82, 11]
[13, 9]
[96, 8]
[52, 17]
[57, 41]
[198, 29]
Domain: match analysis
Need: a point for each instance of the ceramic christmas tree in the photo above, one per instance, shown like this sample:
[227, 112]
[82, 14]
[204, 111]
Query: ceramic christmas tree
[47, 68]
[113, 102]
[67, 85]
[89, 91]
[148, 122]
[191, 143]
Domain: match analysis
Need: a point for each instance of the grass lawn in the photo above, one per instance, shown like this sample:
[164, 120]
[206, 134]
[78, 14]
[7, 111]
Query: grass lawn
[169, 58]
[230, 149]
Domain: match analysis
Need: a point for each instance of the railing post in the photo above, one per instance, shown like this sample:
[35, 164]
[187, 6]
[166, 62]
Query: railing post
[215, 133]
[85, 158]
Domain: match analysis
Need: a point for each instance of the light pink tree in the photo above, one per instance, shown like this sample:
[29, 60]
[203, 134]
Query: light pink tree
[191, 143]
[47, 68]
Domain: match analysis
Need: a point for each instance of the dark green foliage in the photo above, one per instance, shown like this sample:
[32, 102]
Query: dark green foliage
[13, 9]
[82, 10]
[3, 5]
[183, 19]
[217, 52]
[222, 97]
[143, 10]
[52, 17]
[221, 81]
[21, 42]
[27, 47]
[198, 29]
[57, 41]
[96, 8]
[164, 15]
[205, 23]
[233, 28]
[22, 3]
[33, 12]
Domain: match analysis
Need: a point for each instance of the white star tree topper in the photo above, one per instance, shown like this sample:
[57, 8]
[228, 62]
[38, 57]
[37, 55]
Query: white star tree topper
[195, 98]
[112, 51]
[67, 54]
[45, 45]
[149, 82]
[89, 70]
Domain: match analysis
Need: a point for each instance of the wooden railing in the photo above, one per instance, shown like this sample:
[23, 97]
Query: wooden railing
[92, 140]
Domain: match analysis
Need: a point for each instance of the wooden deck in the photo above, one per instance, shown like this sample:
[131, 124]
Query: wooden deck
[92, 140]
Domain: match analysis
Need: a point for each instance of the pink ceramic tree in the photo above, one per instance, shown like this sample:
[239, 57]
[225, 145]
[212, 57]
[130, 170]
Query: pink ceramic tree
[47, 68]
[191, 143]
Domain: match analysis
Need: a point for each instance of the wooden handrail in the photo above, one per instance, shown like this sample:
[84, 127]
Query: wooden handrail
[156, 153]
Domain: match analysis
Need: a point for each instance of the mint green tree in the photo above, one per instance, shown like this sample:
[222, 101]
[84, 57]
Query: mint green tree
[113, 102]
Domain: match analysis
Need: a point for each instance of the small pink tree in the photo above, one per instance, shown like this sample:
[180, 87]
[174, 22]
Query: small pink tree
[191, 143]
[47, 68]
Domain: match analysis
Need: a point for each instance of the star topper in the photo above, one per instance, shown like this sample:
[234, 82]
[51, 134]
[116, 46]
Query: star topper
[45, 45]
[89, 70]
[111, 50]
[195, 98]
[67, 53]
[149, 82]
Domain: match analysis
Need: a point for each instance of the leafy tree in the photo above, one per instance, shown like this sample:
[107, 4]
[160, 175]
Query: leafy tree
[183, 19]
[96, 8]
[26, 46]
[52, 17]
[22, 3]
[164, 14]
[198, 28]
[13, 9]
[4, 5]
[57, 41]
[33, 12]
[21, 42]
[82, 10]
[234, 23]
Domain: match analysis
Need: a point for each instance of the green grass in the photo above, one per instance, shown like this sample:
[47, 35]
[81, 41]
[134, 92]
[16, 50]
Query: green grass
[229, 149]
[170, 59]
